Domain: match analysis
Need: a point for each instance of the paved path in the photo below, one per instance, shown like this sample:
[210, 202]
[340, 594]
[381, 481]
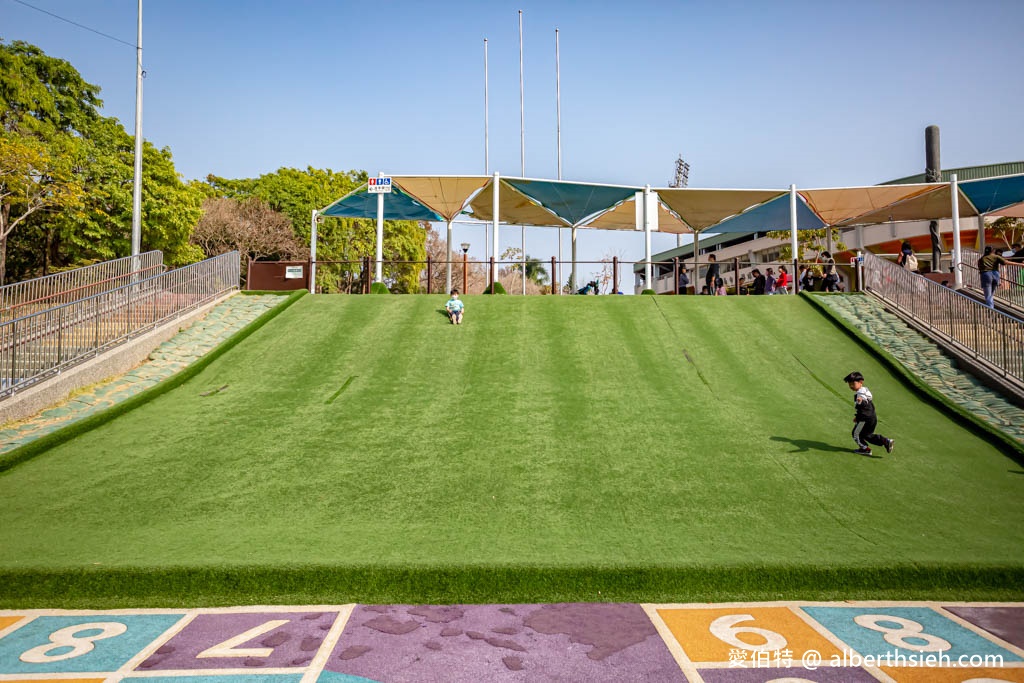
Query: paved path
[171, 357]
[716, 643]
[926, 360]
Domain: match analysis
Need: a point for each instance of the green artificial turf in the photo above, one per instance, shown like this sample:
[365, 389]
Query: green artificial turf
[550, 448]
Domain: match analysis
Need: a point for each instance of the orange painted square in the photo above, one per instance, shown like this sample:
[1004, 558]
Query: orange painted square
[691, 627]
[919, 674]
[56, 680]
[7, 621]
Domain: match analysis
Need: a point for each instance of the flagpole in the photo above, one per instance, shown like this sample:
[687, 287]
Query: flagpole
[522, 140]
[556, 281]
[487, 148]
[137, 183]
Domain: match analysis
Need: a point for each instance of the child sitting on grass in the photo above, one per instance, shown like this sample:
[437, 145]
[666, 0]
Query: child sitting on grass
[454, 308]
[865, 420]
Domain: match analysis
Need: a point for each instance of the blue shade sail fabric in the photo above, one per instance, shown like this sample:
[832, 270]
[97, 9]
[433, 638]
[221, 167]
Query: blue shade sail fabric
[573, 202]
[398, 206]
[772, 215]
[991, 194]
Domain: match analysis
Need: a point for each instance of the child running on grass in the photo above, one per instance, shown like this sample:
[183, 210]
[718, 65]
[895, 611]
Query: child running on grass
[454, 308]
[864, 420]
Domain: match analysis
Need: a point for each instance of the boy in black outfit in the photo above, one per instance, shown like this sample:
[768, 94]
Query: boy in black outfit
[864, 420]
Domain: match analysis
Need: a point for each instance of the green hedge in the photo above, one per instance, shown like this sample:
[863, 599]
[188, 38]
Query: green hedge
[379, 288]
[495, 288]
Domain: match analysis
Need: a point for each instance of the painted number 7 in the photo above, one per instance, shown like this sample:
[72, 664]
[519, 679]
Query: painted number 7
[229, 648]
[726, 630]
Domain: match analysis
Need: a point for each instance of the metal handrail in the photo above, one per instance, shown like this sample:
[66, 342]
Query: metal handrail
[40, 344]
[71, 285]
[983, 334]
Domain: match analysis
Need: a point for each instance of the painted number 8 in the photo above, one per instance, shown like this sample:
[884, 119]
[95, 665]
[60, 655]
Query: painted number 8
[66, 637]
[726, 630]
[907, 630]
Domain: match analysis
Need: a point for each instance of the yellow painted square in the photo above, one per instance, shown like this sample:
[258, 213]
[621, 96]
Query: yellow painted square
[921, 674]
[7, 621]
[716, 634]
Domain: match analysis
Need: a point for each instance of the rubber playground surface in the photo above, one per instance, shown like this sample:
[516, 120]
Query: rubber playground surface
[726, 643]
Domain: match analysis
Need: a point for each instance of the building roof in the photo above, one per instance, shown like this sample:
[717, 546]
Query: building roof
[967, 173]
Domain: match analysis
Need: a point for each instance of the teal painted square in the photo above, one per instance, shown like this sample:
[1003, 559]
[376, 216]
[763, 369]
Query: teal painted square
[36, 641]
[937, 633]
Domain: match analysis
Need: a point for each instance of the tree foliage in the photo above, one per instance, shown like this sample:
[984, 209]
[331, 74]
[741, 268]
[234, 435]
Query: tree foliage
[47, 105]
[249, 226]
[296, 193]
[1010, 230]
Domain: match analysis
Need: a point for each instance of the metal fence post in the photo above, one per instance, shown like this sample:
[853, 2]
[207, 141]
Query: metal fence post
[615, 274]
[492, 275]
[430, 270]
[675, 275]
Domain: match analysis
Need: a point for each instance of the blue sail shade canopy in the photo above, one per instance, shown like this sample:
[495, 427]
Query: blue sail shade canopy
[398, 206]
[992, 194]
[772, 215]
[573, 202]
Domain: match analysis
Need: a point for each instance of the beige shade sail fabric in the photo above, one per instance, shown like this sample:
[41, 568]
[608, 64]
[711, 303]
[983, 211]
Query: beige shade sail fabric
[623, 217]
[834, 205]
[447, 195]
[932, 205]
[1015, 211]
[514, 208]
[701, 209]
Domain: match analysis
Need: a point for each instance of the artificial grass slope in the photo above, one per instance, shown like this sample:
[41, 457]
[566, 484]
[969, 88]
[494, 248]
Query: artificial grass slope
[550, 448]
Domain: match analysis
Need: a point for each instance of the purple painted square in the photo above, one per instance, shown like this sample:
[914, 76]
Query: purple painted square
[292, 644]
[568, 642]
[765, 674]
[1005, 622]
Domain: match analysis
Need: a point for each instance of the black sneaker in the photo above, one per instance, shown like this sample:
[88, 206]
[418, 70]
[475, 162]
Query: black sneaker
[889, 443]
[863, 451]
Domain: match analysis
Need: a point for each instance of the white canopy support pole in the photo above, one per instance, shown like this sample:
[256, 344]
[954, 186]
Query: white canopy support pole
[448, 260]
[572, 273]
[696, 256]
[379, 273]
[793, 245]
[312, 251]
[958, 276]
[647, 239]
[494, 228]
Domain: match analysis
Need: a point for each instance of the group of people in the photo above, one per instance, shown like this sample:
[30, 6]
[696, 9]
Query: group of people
[768, 282]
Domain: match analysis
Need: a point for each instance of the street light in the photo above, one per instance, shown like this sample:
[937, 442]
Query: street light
[465, 277]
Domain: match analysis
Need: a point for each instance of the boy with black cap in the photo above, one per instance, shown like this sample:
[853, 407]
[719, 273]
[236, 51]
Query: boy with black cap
[864, 420]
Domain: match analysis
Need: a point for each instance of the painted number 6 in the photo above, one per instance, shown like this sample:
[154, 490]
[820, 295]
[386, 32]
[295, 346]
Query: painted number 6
[725, 629]
[66, 637]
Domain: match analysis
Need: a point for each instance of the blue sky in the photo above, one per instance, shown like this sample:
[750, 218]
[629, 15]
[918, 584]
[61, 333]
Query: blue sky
[752, 94]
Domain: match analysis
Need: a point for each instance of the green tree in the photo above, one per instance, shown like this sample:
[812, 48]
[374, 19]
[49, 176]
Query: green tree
[46, 100]
[33, 180]
[1009, 230]
[809, 243]
[296, 193]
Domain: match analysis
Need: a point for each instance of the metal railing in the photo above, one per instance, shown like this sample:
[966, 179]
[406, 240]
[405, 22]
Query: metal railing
[1010, 291]
[35, 346]
[984, 334]
[18, 299]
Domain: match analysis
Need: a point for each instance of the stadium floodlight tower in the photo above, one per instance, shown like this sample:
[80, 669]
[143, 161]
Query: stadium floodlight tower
[681, 179]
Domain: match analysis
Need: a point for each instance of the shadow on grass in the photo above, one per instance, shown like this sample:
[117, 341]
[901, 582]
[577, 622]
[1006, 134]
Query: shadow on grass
[444, 313]
[806, 445]
[1015, 471]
